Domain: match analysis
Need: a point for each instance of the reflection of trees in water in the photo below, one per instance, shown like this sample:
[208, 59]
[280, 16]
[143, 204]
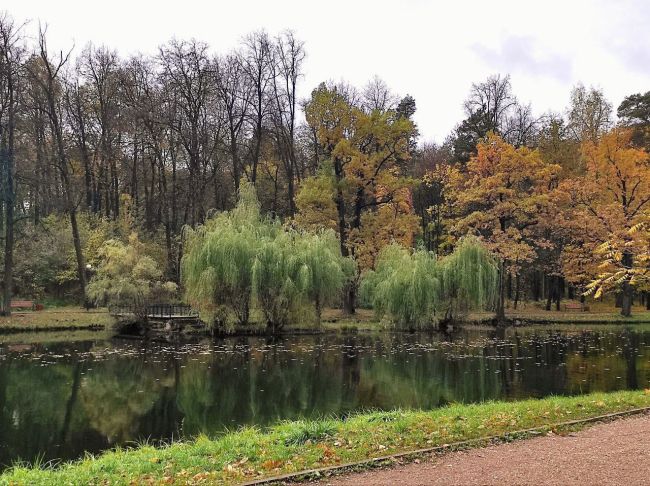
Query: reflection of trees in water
[609, 361]
[33, 401]
[119, 393]
[259, 385]
[157, 393]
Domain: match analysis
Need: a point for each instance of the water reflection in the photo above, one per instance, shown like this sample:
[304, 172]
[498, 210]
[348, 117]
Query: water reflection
[60, 400]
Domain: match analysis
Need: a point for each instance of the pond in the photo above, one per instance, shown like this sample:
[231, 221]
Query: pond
[58, 401]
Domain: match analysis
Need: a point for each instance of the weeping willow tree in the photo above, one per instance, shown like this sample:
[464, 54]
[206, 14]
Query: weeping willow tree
[415, 289]
[218, 260]
[469, 277]
[240, 258]
[323, 269]
[276, 280]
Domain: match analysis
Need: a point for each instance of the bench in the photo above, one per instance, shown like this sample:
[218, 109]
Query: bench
[576, 306]
[22, 304]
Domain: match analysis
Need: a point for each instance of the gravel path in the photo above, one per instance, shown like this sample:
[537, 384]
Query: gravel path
[616, 453]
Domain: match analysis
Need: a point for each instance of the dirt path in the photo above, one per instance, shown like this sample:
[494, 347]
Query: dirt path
[616, 453]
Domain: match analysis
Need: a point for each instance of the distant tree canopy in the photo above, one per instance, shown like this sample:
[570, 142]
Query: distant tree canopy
[634, 112]
[95, 146]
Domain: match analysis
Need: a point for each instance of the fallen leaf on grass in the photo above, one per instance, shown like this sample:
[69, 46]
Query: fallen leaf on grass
[271, 464]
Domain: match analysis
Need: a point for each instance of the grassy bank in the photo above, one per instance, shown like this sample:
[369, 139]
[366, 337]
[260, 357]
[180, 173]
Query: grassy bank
[295, 446]
[599, 312]
[59, 319]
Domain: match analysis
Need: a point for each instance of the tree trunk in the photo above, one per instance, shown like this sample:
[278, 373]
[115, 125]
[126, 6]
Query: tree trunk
[501, 303]
[349, 298]
[7, 154]
[626, 301]
[81, 267]
[7, 159]
[517, 289]
[626, 290]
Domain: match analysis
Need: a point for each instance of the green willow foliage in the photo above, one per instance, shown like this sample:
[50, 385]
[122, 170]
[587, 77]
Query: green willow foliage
[415, 289]
[239, 258]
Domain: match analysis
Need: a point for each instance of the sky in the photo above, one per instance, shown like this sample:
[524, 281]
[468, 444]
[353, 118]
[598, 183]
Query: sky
[432, 50]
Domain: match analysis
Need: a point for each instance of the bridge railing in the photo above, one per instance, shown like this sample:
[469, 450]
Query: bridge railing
[160, 311]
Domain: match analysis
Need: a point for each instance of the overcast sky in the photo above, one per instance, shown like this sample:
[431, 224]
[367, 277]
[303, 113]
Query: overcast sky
[432, 50]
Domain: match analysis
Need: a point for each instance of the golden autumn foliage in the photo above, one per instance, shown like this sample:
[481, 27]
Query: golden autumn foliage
[501, 197]
[613, 201]
[315, 203]
[361, 192]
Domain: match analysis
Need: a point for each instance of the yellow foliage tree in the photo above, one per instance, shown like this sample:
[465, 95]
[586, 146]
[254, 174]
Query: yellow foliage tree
[613, 199]
[361, 189]
[501, 197]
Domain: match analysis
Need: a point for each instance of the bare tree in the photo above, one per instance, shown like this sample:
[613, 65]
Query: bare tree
[189, 74]
[234, 92]
[494, 99]
[289, 56]
[521, 126]
[99, 69]
[376, 95]
[11, 54]
[47, 74]
[257, 62]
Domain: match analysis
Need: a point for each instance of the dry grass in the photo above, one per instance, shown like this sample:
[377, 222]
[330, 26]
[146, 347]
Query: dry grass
[65, 318]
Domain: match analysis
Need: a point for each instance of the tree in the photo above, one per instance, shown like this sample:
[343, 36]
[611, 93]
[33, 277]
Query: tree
[240, 257]
[257, 61]
[501, 197]
[431, 205]
[492, 107]
[46, 74]
[127, 276]
[494, 99]
[624, 264]
[417, 289]
[323, 268]
[612, 199]
[11, 53]
[364, 151]
[217, 265]
[189, 74]
[289, 56]
[589, 114]
[634, 112]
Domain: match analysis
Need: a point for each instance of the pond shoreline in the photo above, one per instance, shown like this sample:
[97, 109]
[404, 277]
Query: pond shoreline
[291, 447]
[77, 319]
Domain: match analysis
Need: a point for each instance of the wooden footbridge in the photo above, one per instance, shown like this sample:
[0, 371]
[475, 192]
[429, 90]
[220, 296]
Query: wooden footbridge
[158, 312]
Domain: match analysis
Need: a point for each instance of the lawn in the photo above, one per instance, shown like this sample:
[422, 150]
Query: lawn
[59, 319]
[250, 453]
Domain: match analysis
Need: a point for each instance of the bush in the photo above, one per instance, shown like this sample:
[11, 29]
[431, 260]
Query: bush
[127, 276]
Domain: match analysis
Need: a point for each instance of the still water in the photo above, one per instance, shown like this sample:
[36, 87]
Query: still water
[58, 401]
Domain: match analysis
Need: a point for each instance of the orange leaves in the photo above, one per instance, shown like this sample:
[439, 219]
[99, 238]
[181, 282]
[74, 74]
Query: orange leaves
[363, 194]
[503, 196]
[613, 198]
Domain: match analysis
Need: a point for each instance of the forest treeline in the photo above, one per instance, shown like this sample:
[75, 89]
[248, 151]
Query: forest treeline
[97, 147]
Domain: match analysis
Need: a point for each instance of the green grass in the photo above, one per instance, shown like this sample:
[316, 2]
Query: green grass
[296, 446]
[67, 318]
